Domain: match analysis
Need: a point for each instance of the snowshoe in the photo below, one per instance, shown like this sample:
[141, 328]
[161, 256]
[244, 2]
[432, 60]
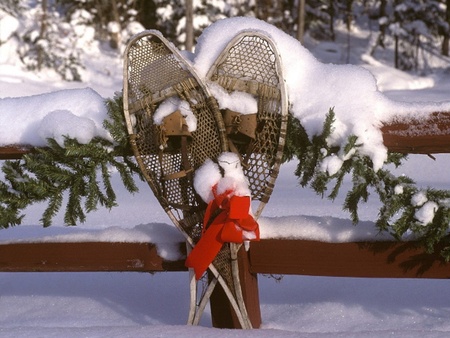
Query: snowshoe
[175, 126]
[247, 81]
[169, 115]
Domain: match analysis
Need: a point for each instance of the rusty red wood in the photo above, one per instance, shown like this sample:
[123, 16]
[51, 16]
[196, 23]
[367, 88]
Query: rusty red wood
[85, 256]
[354, 259]
[223, 315]
[14, 152]
[414, 136]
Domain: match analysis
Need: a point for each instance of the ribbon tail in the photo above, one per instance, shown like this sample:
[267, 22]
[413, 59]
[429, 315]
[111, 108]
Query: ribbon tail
[205, 250]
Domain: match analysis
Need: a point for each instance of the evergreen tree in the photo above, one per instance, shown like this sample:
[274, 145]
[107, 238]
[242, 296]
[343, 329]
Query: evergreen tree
[50, 43]
[108, 18]
[280, 13]
[13, 7]
[171, 16]
[415, 27]
[321, 18]
[57, 34]
[410, 28]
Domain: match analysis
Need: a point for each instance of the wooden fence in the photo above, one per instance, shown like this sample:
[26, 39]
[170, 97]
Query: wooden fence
[269, 256]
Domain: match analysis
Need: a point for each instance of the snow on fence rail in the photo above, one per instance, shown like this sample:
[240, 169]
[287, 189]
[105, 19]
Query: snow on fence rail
[407, 135]
[418, 136]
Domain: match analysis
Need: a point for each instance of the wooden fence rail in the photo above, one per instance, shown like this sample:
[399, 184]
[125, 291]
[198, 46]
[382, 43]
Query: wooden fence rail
[85, 256]
[269, 256]
[418, 136]
[14, 152]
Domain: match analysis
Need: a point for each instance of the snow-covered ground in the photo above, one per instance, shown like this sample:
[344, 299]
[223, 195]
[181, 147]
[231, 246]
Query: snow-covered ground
[144, 305]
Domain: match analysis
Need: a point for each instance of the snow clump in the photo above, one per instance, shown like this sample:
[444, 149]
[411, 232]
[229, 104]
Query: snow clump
[76, 113]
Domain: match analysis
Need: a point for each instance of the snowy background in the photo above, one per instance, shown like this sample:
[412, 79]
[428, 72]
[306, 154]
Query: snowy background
[144, 305]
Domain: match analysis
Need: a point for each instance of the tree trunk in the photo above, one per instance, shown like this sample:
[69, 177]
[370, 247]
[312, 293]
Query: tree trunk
[446, 40]
[114, 41]
[396, 52]
[189, 26]
[383, 26]
[301, 21]
[332, 13]
[445, 43]
[40, 56]
[349, 19]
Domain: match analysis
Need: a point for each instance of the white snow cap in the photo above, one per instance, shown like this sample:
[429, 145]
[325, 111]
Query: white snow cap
[171, 105]
[8, 26]
[76, 113]
[419, 198]
[240, 102]
[233, 177]
[426, 213]
[209, 175]
[205, 178]
[60, 123]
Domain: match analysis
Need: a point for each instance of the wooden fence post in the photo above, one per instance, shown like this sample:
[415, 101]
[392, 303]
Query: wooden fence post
[222, 313]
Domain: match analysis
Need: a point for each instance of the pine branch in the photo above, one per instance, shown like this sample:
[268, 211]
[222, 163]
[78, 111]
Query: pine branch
[80, 173]
[399, 214]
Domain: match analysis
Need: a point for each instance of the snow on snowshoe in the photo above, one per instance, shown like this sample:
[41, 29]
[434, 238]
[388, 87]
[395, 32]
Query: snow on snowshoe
[247, 81]
[175, 126]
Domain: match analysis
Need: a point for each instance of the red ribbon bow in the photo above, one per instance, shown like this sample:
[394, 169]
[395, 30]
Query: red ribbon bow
[228, 226]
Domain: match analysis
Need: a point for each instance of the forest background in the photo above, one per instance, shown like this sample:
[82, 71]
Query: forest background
[56, 33]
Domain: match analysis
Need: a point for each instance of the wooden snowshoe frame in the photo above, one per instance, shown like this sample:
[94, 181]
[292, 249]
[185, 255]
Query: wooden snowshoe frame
[251, 63]
[154, 71]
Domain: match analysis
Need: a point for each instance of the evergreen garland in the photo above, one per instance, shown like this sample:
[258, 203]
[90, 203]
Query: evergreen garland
[80, 173]
[402, 201]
